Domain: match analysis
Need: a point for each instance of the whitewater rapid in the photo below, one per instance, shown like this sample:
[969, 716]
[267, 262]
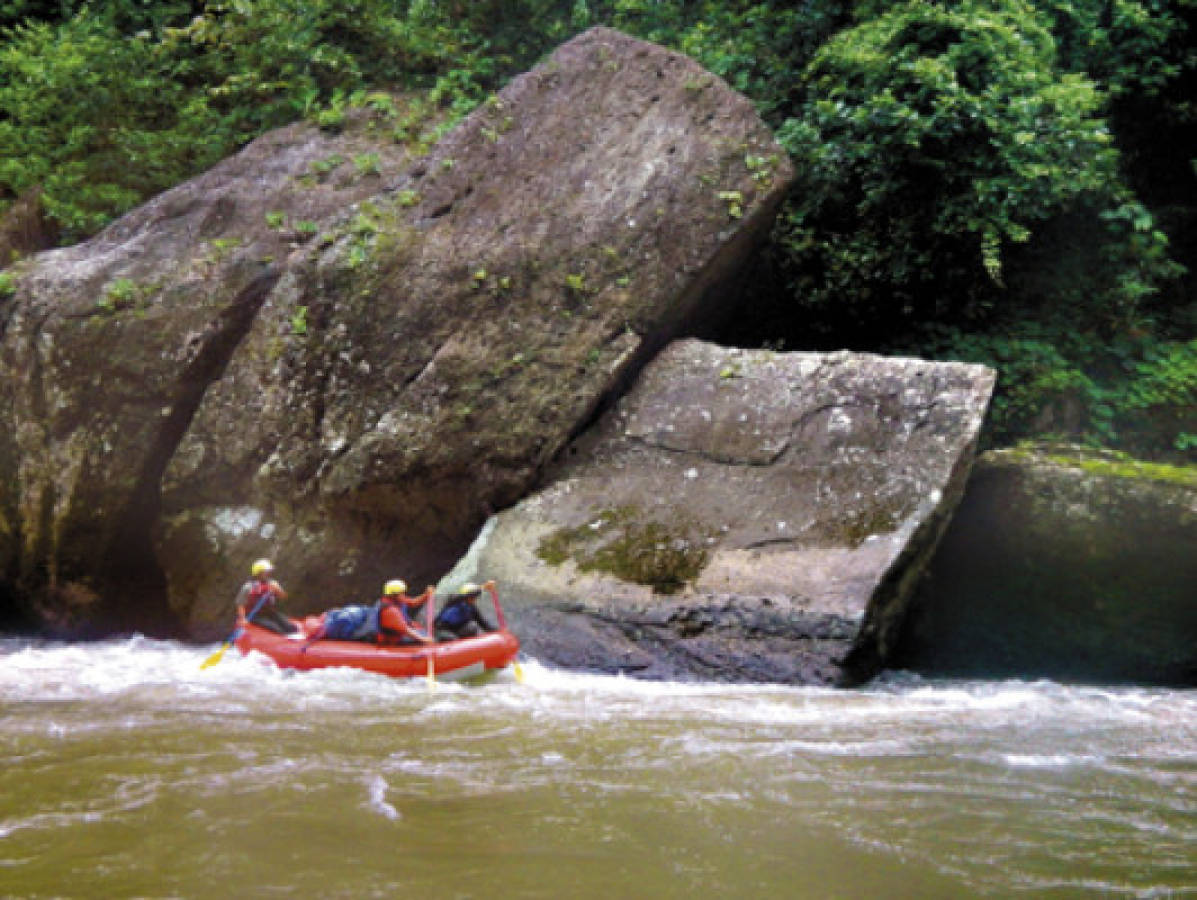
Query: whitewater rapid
[951, 788]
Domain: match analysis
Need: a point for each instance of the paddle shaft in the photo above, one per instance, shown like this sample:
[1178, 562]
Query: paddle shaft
[494, 597]
[253, 612]
[493, 590]
[429, 613]
[219, 654]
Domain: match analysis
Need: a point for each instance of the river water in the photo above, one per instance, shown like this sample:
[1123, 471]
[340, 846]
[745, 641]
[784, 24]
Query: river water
[128, 771]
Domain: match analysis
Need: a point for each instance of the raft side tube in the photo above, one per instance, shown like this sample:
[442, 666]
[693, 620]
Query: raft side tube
[495, 650]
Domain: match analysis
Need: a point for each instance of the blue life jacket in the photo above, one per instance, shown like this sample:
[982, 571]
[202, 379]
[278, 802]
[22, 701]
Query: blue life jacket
[351, 623]
[456, 614]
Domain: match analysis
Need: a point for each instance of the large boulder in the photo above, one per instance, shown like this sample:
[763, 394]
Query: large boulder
[356, 409]
[1067, 564]
[107, 349]
[461, 327]
[741, 515]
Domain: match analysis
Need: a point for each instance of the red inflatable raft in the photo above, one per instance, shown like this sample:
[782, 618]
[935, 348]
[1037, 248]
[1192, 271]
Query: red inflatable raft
[461, 658]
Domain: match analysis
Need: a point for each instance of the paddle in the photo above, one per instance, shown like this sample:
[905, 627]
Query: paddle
[493, 590]
[430, 594]
[219, 654]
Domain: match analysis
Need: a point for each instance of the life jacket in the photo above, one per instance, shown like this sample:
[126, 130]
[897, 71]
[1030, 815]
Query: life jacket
[387, 633]
[258, 588]
[254, 591]
[455, 614]
[460, 612]
[351, 623]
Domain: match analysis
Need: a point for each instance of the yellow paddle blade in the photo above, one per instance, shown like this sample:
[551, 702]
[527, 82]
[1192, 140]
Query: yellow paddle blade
[215, 657]
[518, 670]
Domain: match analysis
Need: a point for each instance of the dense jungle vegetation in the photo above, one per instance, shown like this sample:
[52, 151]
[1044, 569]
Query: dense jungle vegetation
[1006, 181]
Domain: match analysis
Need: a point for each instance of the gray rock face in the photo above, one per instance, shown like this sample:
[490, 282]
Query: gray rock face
[462, 326]
[107, 349]
[742, 514]
[193, 388]
[1064, 564]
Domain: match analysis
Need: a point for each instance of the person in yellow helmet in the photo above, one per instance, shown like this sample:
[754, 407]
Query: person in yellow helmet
[461, 617]
[395, 611]
[257, 601]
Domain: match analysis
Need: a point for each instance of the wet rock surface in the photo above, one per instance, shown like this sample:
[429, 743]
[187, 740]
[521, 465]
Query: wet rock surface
[1065, 564]
[742, 515]
[106, 351]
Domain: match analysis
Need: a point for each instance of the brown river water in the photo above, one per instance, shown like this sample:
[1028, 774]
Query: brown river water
[129, 772]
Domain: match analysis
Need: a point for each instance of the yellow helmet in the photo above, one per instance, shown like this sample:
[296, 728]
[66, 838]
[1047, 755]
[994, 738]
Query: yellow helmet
[469, 589]
[261, 567]
[394, 587]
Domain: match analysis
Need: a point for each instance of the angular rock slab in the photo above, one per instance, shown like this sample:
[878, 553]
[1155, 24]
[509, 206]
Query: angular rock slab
[742, 515]
[1066, 564]
[463, 325]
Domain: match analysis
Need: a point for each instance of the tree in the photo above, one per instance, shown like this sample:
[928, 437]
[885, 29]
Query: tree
[932, 140]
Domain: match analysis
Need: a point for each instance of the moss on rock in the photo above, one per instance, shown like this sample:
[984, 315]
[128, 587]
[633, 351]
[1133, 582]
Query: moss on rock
[620, 542]
[1107, 463]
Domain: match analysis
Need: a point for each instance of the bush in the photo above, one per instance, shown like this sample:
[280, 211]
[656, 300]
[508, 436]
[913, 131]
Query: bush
[1158, 406]
[98, 120]
[1135, 393]
[103, 120]
[933, 139]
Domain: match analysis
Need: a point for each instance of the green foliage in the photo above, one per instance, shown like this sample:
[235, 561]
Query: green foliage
[1167, 376]
[1159, 402]
[931, 140]
[1137, 393]
[120, 293]
[271, 60]
[734, 201]
[125, 15]
[299, 321]
[366, 163]
[758, 48]
[99, 120]
[105, 106]
[322, 167]
[1121, 44]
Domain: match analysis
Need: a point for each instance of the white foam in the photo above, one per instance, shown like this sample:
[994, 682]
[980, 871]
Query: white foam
[166, 674]
[1051, 761]
[376, 790]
